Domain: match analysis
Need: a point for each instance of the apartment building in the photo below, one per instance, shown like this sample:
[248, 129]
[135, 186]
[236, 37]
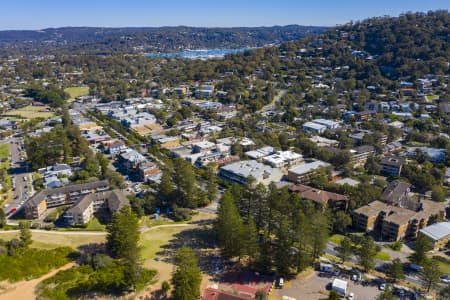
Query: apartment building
[392, 165]
[40, 202]
[394, 223]
[84, 209]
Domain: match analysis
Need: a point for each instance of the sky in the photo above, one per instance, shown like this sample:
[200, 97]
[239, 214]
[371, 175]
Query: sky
[40, 14]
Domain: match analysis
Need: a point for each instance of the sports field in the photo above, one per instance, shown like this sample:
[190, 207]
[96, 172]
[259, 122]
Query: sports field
[32, 112]
[77, 91]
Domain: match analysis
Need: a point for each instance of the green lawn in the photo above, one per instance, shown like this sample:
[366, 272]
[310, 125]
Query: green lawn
[77, 91]
[4, 151]
[152, 240]
[32, 112]
[51, 240]
[336, 238]
[383, 256]
[95, 225]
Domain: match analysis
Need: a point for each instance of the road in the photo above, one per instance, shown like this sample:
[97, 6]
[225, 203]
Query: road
[275, 100]
[21, 176]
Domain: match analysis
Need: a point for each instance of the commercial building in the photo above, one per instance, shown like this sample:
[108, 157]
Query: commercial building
[303, 172]
[314, 127]
[438, 234]
[283, 159]
[241, 171]
[41, 201]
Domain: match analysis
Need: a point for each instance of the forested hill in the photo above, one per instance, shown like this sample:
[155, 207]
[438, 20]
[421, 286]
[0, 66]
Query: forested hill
[131, 40]
[412, 42]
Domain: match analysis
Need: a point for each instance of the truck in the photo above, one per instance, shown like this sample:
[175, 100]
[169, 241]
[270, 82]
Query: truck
[340, 286]
[327, 268]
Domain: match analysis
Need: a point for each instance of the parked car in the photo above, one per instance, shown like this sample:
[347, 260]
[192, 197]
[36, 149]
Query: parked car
[382, 286]
[351, 296]
[445, 279]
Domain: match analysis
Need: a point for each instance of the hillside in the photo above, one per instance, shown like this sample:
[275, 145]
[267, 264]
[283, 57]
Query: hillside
[132, 40]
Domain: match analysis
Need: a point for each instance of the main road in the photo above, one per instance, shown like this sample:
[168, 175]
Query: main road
[21, 176]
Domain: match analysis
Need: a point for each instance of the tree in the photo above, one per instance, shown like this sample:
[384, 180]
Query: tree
[166, 185]
[122, 242]
[341, 221]
[367, 253]
[430, 274]
[229, 227]
[334, 295]
[211, 184]
[25, 233]
[421, 246]
[186, 278]
[346, 249]
[438, 194]
[2, 218]
[165, 287]
[321, 229]
[444, 293]
[395, 270]
[386, 295]
[250, 239]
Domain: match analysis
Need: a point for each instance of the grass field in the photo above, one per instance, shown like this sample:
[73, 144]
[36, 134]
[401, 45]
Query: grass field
[31, 112]
[153, 240]
[95, 225]
[383, 256]
[336, 238]
[77, 91]
[49, 240]
[4, 151]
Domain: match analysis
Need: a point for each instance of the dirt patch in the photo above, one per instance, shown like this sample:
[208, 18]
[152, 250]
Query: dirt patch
[25, 289]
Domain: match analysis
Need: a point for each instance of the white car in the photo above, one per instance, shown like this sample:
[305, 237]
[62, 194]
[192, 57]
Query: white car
[351, 296]
[445, 279]
[382, 286]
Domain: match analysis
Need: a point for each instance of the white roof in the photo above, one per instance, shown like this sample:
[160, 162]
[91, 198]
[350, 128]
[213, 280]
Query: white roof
[308, 167]
[340, 284]
[437, 231]
[314, 126]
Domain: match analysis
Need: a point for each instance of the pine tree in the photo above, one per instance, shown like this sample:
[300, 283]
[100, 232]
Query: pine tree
[250, 239]
[367, 254]
[2, 218]
[166, 185]
[122, 243]
[186, 278]
[421, 247]
[229, 227]
[320, 227]
[25, 234]
[211, 184]
[430, 274]
[345, 249]
[283, 252]
[395, 271]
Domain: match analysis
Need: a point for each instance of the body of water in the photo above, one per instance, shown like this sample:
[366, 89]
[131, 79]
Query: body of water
[198, 54]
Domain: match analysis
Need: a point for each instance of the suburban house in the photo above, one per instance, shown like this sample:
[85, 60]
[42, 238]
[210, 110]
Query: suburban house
[41, 201]
[322, 198]
[392, 165]
[84, 209]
